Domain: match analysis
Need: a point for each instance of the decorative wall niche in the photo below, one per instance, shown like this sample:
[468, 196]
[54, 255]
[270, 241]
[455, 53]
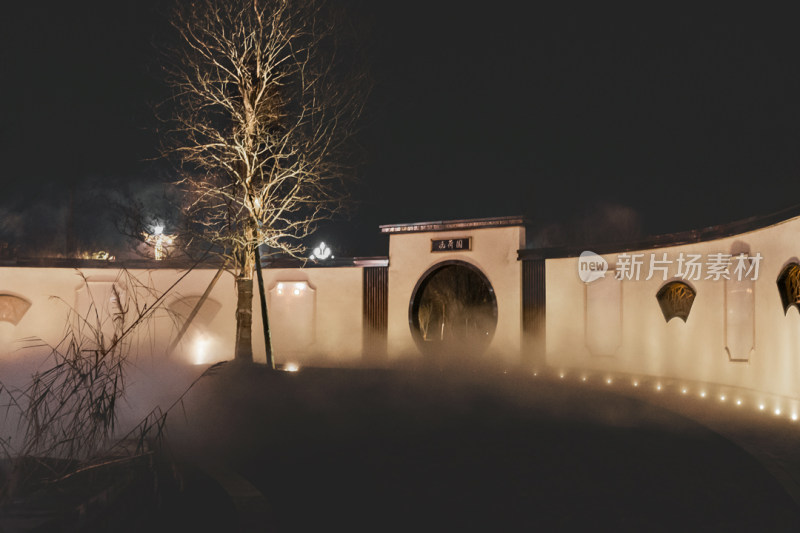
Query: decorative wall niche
[740, 309]
[789, 286]
[100, 306]
[13, 308]
[292, 307]
[604, 315]
[675, 299]
[181, 308]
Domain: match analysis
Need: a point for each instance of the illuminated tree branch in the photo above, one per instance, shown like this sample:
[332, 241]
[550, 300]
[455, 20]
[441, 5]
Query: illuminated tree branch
[263, 112]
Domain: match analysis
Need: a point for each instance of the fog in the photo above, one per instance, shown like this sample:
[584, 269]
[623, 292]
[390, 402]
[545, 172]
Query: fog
[469, 447]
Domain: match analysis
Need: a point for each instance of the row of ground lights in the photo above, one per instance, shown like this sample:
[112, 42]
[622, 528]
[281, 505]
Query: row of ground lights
[737, 400]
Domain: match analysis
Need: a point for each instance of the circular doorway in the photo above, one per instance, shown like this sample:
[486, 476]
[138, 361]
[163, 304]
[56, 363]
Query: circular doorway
[453, 310]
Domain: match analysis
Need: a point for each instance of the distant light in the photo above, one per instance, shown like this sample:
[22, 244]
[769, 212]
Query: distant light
[160, 241]
[738, 402]
[684, 391]
[608, 381]
[561, 375]
[321, 252]
[583, 378]
[703, 394]
[722, 398]
[297, 292]
[635, 383]
[777, 412]
[794, 417]
[291, 367]
[658, 387]
[761, 407]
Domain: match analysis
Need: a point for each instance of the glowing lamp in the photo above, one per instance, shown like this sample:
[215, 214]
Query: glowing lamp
[201, 351]
[321, 252]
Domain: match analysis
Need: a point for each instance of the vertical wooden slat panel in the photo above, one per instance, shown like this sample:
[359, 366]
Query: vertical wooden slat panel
[376, 311]
[533, 310]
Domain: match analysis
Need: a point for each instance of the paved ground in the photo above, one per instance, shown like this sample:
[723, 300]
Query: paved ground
[403, 451]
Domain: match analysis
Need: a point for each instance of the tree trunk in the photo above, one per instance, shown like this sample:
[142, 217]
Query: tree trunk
[244, 319]
[264, 318]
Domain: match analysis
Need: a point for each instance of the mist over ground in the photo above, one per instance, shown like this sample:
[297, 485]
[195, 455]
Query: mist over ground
[478, 449]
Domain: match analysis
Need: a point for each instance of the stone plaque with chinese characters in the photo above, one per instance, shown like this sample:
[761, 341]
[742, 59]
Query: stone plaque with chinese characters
[459, 244]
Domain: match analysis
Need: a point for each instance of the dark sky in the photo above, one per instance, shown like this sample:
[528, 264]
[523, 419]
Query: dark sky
[597, 122]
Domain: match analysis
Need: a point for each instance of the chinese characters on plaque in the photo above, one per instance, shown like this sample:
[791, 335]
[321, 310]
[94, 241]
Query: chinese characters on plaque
[451, 245]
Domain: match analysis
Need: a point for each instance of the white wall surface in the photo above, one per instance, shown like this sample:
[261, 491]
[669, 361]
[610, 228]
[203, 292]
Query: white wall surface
[494, 253]
[53, 292]
[695, 350]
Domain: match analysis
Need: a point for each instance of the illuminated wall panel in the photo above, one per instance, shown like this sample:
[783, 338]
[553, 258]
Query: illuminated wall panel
[604, 315]
[740, 322]
[292, 308]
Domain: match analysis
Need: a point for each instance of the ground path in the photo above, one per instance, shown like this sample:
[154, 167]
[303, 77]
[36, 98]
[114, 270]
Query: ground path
[478, 450]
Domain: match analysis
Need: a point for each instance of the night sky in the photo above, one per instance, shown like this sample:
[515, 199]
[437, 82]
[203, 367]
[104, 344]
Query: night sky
[597, 124]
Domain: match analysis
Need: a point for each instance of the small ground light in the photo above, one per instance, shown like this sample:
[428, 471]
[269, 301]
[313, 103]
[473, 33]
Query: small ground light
[561, 375]
[608, 381]
[658, 387]
[794, 417]
[761, 407]
[635, 383]
[703, 394]
[291, 367]
[777, 412]
[738, 402]
[722, 398]
[684, 391]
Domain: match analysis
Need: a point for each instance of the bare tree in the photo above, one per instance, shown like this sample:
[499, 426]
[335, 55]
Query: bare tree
[263, 111]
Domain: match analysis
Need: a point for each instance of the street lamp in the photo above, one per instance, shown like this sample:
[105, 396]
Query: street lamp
[160, 241]
[321, 252]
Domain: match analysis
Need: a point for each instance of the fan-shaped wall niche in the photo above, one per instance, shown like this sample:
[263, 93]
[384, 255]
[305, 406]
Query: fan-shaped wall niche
[789, 286]
[675, 299]
[13, 308]
[181, 308]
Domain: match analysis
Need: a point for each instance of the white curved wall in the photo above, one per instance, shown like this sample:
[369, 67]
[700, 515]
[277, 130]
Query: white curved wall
[695, 350]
